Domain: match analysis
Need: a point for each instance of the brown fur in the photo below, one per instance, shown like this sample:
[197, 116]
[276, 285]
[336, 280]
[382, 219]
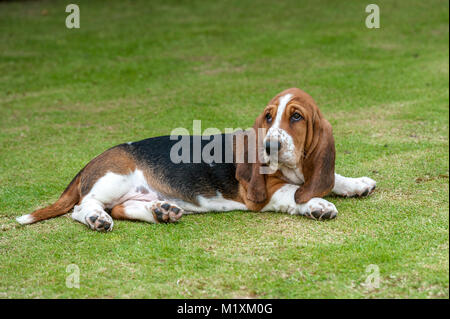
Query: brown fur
[273, 182]
[248, 173]
[318, 165]
[118, 212]
[315, 152]
[115, 160]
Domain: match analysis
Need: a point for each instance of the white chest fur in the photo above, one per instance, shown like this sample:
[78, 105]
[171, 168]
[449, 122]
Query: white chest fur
[293, 175]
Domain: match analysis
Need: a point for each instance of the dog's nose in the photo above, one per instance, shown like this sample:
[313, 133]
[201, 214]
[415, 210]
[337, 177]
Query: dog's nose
[272, 146]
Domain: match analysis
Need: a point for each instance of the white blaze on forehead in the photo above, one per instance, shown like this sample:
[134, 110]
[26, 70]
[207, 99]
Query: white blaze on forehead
[284, 100]
[287, 155]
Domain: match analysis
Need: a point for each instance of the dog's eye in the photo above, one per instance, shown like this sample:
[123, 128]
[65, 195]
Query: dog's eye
[268, 118]
[296, 117]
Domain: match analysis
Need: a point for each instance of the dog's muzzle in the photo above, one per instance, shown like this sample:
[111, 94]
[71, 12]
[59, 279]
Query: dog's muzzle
[272, 146]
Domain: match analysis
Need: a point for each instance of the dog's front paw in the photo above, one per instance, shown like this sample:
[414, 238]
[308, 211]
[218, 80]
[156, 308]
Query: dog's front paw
[319, 209]
[362, 186]
[99, 221]
[165, 212]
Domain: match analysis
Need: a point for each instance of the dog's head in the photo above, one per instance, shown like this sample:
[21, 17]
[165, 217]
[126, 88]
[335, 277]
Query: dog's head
[294, 135]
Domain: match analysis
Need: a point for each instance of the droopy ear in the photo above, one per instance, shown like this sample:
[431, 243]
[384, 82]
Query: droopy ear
[248, 170]
[318, 165]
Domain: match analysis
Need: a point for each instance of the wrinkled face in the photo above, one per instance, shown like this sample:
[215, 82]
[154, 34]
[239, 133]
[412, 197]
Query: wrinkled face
[285, 119]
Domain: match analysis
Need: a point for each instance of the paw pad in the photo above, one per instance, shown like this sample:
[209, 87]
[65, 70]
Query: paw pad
[164, 212]
[322, 215]
[99, 221]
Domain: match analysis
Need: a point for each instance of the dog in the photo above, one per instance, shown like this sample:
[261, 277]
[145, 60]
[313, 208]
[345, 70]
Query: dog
[140, 181]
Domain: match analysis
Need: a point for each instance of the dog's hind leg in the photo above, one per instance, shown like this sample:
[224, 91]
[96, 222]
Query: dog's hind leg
[129, 197]
[106, 191]
[99, 185]
[152, 212]
[92, 213]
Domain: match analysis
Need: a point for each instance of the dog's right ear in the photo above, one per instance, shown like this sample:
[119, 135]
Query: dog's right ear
[248, 164]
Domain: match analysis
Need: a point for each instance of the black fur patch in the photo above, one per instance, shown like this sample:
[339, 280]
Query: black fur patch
[187, 179]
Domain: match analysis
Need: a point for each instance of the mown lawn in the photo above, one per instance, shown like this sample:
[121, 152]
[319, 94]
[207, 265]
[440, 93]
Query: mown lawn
[137, 69]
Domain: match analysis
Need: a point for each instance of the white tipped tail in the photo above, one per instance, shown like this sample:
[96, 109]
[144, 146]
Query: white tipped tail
[25, 219]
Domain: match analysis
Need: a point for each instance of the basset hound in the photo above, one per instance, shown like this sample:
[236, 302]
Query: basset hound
[291, 172]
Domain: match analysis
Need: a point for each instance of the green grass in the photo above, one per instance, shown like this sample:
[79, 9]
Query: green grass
[140, 69]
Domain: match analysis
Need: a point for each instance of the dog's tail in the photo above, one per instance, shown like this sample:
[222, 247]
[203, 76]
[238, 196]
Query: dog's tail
[66, 201]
